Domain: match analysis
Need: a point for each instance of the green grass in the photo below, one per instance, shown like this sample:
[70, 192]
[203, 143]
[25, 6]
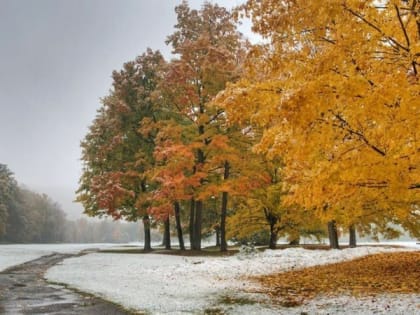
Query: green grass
[229, 300]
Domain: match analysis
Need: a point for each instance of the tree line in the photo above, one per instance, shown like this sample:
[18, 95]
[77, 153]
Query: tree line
[315, 130]
[30, 217]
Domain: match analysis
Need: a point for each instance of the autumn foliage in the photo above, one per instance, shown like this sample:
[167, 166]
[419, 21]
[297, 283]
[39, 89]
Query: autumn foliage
[337, 96]
[318, 123]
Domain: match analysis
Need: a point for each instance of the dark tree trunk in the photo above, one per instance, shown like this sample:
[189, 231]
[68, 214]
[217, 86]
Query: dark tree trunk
[352, 236]
[197, 218]
[333, 235]
[192, 219]
[223, 212]
[197, 224]
[217, 229]
[273, 237]
[295, 241]
[223, 243]
[178, 225]
[272, 221]
[147, 237]
[146, 223]
[167, 234]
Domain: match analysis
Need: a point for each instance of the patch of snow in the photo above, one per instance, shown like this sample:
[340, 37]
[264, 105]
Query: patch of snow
[166, 284]
[16, 254]
[344, 305]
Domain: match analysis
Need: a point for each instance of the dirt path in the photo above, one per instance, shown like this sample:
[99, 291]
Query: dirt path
[23, 290]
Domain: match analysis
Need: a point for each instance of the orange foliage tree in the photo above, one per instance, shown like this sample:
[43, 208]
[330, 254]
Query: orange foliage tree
[208, 47]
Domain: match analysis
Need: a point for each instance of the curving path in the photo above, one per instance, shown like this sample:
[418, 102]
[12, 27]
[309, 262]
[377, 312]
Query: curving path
[23, 290]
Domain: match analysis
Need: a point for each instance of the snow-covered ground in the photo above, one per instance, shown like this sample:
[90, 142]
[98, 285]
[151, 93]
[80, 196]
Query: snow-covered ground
[166, 284]
[15, 254]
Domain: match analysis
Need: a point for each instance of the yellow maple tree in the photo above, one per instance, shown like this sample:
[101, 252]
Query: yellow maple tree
[263, 209]
[337, 96]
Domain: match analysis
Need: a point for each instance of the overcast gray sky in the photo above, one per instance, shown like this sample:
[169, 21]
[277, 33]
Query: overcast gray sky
[56, 60]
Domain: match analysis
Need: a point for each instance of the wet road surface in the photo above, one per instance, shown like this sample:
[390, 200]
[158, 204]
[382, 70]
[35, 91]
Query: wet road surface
[23, 290]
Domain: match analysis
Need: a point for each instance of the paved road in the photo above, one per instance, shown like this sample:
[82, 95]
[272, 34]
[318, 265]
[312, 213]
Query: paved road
[23, 290]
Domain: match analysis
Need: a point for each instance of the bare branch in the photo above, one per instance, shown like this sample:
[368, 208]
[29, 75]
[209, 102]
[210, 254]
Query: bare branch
[407, 39]
[414, 186]
[351, 131]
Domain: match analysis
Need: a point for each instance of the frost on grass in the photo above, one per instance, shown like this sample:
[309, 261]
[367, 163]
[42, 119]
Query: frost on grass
[161, 284]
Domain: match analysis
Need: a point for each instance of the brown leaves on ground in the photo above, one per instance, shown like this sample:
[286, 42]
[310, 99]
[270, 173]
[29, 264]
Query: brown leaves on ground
[381, 273]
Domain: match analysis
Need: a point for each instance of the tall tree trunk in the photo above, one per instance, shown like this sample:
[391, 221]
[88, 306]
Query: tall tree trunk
[192, 220]
[272, 221]
[178, 225]
[197, 224]
[146, 223]
[223, 213]
[167, 234]
[217, 229]
[223, 243]
[201, 158]
[333, 235]
[273, 237]
[147, 237]
[352, 236]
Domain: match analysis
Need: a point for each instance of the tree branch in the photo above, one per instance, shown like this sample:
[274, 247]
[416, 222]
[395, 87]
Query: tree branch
[389, 38]
[361, 136]
[215, 116]
[407, 39]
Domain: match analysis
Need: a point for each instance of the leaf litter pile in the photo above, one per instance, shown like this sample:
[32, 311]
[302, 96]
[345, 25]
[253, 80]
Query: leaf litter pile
[397, 273]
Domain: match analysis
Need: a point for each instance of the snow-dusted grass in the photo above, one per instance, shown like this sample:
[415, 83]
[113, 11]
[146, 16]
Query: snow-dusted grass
[15, 254]
[166, 284]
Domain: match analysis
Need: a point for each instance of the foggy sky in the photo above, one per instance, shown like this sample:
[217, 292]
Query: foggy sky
[56, 60]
